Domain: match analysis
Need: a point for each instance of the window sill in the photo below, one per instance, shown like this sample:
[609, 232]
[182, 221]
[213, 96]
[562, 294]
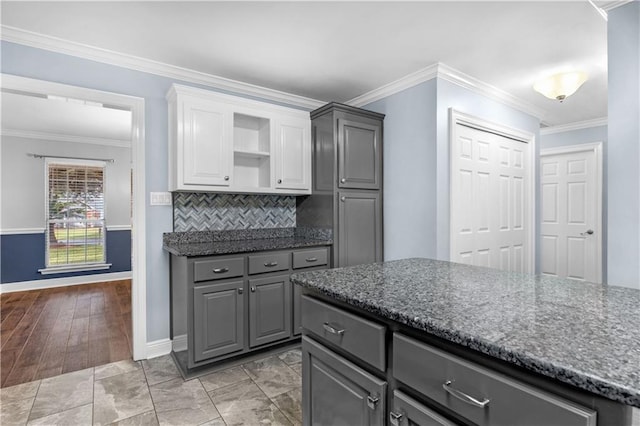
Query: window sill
[76, 268]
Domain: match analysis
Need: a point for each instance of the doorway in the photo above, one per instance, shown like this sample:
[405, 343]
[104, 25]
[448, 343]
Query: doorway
[135, 105]
[571, 212]
[492, 198]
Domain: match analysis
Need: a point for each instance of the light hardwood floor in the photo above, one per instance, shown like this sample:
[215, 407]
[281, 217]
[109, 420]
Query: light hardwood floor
[44, 333]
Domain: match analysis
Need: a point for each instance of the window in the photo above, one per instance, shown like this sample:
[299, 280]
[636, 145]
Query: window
[75, 214]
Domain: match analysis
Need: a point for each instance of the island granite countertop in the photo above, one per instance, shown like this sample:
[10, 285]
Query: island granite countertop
[583, 334]
[206, 243]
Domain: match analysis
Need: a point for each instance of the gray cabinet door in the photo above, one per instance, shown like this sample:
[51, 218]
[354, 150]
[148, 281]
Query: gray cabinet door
[359, 228]
[269, 309]
[218, 319]
[297, 312]
[407, 411]
[359, 154]
[337, 392]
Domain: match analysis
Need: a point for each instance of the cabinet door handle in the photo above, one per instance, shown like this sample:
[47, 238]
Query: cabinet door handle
[333, 329]
[463, 396]
[343, 199]
[240, 290]
[311, 259]
[271, 264]
[226, 178]
[253, 289]
[343, 180]
[220, 270]
[395, 418]
[372, 401]
[279, 180]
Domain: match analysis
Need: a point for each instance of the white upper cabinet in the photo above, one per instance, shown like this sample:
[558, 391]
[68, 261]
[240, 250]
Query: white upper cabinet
[223, 143]
[292, 155]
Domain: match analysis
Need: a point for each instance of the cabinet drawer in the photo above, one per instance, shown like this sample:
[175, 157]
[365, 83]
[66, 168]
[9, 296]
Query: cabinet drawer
[308, 258]
[269, 263]
[480, 395]
[217, 269]
[407, 411]
[358, 336]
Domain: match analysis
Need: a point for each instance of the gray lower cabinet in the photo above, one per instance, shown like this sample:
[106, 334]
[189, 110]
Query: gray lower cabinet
[269, 309]
[338, 392]
[218, 313]
[406, 411]
[359, 228]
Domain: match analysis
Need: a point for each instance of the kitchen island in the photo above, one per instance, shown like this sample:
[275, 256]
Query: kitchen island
[573, 340]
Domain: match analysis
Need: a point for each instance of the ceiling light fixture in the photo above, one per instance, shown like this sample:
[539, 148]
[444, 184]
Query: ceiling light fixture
[559, 86]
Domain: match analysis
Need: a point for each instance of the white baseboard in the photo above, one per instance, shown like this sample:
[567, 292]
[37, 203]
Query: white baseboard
[62, 282]
[179, 343]
[158, 348]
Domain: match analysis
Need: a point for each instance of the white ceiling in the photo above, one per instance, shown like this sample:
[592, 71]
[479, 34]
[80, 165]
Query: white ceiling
[336, 51]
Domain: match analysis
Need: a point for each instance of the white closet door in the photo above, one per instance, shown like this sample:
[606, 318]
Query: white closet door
[490, 200]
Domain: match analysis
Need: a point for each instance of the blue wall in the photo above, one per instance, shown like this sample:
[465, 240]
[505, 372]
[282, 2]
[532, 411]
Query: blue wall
[409, 171]
[574, 137]
[24, 254]
[624, 146]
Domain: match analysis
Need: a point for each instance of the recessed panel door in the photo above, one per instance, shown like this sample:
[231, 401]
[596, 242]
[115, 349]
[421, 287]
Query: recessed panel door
[360, 228]
[269, 309]
[207, 152]
[292, 155]
[359, 161]
[218, 319]
[570, 203]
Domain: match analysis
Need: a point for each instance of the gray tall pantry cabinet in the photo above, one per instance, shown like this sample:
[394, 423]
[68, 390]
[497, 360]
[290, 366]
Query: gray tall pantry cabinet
[347, 182]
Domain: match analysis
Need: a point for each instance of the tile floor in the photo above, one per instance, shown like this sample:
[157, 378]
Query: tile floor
[152, 392]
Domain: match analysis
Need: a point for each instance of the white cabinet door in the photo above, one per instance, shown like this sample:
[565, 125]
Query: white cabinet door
[292, 154]
[207, 151]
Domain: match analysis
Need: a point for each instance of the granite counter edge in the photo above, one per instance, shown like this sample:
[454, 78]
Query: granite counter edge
[220, 250]
[576, 378]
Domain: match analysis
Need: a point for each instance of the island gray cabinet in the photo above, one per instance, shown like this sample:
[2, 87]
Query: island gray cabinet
[218, 319]
[347, 185]
[269, 310]
[338, 392]
[225, 306]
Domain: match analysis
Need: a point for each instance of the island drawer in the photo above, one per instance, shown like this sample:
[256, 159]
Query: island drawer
[363, 338]
[217, 269]
[308, 258]
[271, 262]
[482, 396]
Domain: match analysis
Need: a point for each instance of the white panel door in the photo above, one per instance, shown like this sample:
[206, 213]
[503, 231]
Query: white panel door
[490, 200]
[570, 206]
[293, 154]
[207, 150]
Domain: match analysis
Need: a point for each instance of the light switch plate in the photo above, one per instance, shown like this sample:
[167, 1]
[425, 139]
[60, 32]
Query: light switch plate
[160, 198]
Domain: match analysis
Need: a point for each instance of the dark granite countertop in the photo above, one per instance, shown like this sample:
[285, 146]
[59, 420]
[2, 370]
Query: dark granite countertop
[583, 334]
[206, 243]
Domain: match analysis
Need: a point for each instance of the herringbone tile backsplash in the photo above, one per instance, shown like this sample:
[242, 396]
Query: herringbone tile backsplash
[215, 212]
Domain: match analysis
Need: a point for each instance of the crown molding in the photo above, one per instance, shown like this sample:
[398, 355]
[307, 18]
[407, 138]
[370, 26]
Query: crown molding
[578, 125]
[55, 44]
[396, 86]
[610, 5]
[452, 75]
[445, 72]
[28, 134]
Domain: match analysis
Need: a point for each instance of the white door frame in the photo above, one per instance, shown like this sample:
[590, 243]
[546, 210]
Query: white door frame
[138, 230]
[457, 117]
[596, 147]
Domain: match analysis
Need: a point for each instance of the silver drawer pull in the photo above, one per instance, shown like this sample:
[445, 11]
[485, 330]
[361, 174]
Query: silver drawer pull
[271, 264]
[220, 270]
[333, 329]
[463, 396]
[395, 418]
[311, 259]
[372, 401]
